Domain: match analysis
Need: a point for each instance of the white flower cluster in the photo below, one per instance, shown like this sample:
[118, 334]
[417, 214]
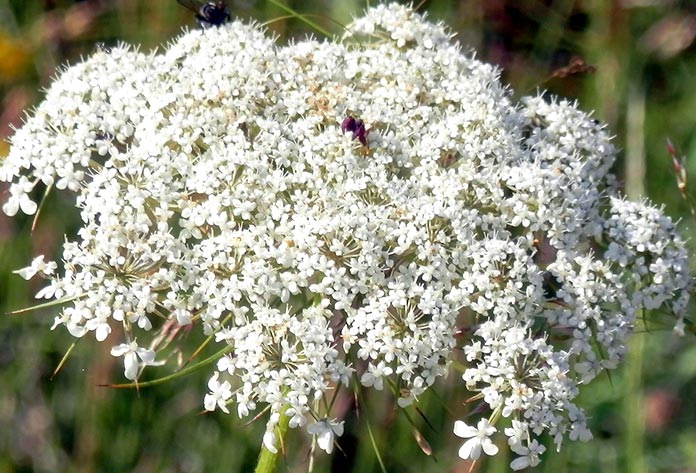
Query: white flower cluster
[350, 211]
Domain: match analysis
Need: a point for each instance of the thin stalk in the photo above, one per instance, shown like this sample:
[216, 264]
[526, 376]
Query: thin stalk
[301, 17]
[633, 405]
[177, 374]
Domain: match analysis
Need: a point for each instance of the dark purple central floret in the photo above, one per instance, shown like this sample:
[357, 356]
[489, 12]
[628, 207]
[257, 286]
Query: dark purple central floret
[355, 126]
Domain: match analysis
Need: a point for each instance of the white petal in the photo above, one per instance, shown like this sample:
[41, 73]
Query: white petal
[325, 441]
[489, 447]
[519, 463]
[183, 316]
[46, 293]
[213, 384]
[27, 205]
[75, 330]
[11, 206]
[103, 331]
[338, 428]
[269, 441]
[26, 273]
[461, 429]
[296, 420]
[222, 404]
[209, 402]
[130, 362]
[316, 428]
[120, 350]
[485, 427]
[148, 356]
[144, 323]
[470, 449]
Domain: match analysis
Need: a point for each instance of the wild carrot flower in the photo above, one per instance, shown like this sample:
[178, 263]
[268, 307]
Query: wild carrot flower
[218, 190]
[479, 439]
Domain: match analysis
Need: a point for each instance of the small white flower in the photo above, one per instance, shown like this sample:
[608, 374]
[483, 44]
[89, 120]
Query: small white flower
[516, 434]
[19, 198]
[38, 265]
[530, 456]
[100, 325]
[479, 439]
[219, 394]
[326, 430]
[579, 431]
[375, 375]
[74, 329]
[297, 417]
[131, 352]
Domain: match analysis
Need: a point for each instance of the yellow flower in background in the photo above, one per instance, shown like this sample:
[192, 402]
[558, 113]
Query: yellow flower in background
[15, 57]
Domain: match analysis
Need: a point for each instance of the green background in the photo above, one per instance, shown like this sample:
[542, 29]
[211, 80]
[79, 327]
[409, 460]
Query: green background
[643, 416]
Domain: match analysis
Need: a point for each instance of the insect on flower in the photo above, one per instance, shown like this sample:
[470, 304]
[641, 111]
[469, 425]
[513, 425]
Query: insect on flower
[208, 13]
[357, 127]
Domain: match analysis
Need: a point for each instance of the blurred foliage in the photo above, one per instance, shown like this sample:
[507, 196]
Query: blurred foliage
[644, 58]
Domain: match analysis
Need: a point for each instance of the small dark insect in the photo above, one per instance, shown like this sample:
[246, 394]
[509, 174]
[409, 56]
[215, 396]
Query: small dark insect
[103, 48]
[357, 127]
[551, 286]
[577, 65]
[208, 13]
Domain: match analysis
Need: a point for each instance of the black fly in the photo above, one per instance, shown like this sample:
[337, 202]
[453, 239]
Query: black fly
[208, 13]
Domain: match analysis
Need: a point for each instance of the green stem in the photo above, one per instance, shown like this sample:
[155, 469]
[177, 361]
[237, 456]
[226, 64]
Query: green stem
[267, 459]
[177, 374]
[633, 407]
[300, 17]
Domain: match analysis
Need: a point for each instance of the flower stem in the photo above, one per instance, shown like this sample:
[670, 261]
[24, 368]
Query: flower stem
[300, 17]
[267, 459]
